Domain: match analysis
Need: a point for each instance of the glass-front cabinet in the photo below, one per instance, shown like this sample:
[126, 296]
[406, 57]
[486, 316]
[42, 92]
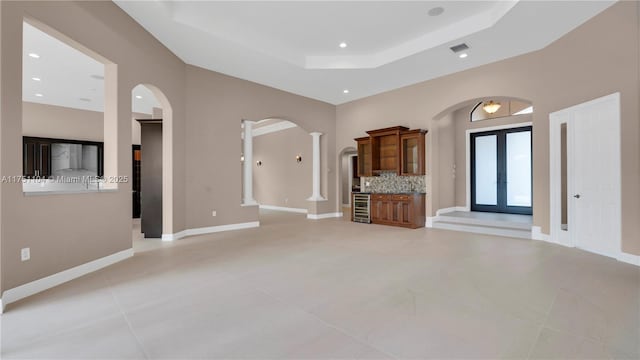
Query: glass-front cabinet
[412, 152]
[364, 156]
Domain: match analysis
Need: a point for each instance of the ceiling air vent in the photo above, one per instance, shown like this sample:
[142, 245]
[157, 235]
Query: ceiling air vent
[459, 47]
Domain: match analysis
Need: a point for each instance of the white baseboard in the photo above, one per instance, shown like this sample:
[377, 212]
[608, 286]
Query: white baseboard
[34, 287]
[324, 216]
[282, 208]
[450, 210]
[209, 230]
[629, 258]
[429, 221]
[537, 234]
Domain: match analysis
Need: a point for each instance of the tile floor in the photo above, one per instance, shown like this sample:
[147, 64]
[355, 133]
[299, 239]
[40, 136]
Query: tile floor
[297, 288]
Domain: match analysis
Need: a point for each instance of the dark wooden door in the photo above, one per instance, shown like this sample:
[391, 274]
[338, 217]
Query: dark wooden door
[151, 180]
[136, 158]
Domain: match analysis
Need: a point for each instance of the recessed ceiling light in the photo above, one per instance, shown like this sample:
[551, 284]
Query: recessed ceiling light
[343, 45]
[97, 77]
[435, 11]
[85, 99]
[39, 95]
[138, 97]
[34, 55]
[35, 78]
[346, 91]
[463, 55]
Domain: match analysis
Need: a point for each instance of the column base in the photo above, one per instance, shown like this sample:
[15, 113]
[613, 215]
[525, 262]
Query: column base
[316, 198]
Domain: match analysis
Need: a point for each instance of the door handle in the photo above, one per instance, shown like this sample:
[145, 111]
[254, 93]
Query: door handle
[577, 196]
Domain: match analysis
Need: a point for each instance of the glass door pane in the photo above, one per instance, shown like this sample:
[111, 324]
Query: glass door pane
[486, 170]
[410, 155]
[518, 161]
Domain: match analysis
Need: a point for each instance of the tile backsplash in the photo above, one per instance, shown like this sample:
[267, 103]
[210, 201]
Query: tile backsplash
[392, 183]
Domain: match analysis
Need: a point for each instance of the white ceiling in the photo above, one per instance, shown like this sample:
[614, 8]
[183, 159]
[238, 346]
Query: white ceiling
[293, 45]
[67, 76]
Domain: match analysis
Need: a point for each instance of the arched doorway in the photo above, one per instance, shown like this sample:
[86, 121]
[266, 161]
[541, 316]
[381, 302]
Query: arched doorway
[151, 161]
[348, 178]
[481, 161]
[277, 166]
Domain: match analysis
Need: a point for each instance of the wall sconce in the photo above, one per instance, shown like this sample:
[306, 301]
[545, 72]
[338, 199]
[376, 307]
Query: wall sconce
[298, 158]
[491, 107]
[242, 158]
[259, 163]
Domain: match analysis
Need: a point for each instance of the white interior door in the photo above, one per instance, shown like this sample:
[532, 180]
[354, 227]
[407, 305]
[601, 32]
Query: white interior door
[593, 175]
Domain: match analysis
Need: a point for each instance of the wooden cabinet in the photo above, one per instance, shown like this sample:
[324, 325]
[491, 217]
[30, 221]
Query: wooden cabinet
[392, 150]
[406, 210]
[412, 152]
[36, 158]
[385, 147]
[364, 156]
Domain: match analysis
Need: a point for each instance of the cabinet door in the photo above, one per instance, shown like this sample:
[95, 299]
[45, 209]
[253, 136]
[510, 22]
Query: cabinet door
[412, 154]
[30, 159]
[405, 210]
[44, 160]
[364, 158]
[375, 209]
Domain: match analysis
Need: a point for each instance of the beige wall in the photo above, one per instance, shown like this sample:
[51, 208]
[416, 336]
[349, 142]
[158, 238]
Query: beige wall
[207, 179]
[68, 230]
[583, 65]
[216, 104]
[42, 120]
[61, 122]
[280, 180]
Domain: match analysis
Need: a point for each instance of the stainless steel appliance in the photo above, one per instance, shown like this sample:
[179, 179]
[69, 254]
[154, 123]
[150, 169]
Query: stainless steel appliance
[361, 207]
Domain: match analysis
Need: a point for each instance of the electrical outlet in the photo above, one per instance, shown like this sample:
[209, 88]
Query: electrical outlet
[214, 213]
[25, 254]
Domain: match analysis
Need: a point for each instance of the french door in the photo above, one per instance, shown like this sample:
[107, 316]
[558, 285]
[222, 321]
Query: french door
[501, 176]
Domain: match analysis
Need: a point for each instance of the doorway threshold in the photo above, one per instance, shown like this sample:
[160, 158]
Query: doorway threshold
[510, 225]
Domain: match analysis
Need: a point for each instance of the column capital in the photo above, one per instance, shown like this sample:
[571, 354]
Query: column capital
[315, 134]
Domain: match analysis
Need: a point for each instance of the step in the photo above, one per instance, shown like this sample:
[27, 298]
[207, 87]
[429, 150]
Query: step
[480, 229]
[485, 222]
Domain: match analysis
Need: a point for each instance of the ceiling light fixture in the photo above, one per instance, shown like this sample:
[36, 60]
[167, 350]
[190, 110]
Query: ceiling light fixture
[491, 107]
[435, 11]
[138, 97]
[463, 55]
[346, 91]
[39, 95]
[343, 45]
[34, 55]
[35, 78]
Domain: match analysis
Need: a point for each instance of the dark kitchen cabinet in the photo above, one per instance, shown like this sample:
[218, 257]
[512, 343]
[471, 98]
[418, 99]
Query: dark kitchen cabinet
[36, 158]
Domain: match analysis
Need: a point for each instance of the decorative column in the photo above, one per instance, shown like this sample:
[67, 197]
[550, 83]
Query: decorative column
[248, 164]
[315, 196]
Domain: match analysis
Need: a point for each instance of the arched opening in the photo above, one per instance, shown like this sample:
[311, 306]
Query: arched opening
[277, 159]
[348, 178]
[480, 159]
[151, 162]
